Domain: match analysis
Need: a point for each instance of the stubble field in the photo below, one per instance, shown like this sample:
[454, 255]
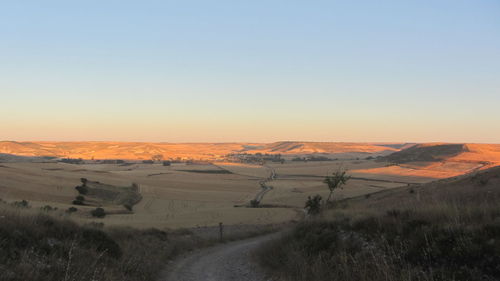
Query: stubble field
[192, 195]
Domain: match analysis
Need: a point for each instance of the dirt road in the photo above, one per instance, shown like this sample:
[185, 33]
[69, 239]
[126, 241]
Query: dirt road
[264, 185]
[225, 262]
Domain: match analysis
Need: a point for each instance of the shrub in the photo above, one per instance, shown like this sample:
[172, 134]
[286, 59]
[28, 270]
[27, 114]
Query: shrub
[47, 208]
[98, 213]
[80, 198]
[82, 189]
[254, 203]
[21, 204]
[166, 163]
[71, 210]
[78, 202]
[313, 205]
[84, 181]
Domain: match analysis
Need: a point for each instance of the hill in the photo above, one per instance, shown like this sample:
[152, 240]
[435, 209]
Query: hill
[436, 152]
[426, 153]
[203, 151]
[439, 160]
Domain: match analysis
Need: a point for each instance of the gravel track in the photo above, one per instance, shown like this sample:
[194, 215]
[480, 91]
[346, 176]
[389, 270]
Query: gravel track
[231, 261]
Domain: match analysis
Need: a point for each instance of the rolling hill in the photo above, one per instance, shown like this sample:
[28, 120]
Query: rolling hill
[205, 151]
[439, 160]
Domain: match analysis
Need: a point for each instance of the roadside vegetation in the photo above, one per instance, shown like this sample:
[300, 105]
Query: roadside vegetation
[45, 244]
[447, 230]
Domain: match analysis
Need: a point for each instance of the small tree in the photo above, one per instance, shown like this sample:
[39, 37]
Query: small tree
[335, 181]
[98, 213]
[313, 205]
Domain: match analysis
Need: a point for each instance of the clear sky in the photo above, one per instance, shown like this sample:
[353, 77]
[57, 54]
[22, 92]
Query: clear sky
[254, 71]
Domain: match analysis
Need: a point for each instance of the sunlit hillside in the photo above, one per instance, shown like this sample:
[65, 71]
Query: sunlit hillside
[204, 151]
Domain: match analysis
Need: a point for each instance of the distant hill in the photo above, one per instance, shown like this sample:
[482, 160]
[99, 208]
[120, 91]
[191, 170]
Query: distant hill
[294, 147]
[204, 151]
[426, 153]
[438, 152]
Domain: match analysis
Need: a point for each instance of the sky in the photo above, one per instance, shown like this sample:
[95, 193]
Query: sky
[250, 71]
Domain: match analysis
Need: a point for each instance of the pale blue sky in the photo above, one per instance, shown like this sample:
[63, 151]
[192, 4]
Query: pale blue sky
[250, 70]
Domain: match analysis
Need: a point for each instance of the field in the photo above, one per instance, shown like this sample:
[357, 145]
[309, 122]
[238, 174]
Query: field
[394, 205]
[204, 194]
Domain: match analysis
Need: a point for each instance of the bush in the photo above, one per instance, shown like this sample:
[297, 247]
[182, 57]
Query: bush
[47, 208]
[82, 189]
[80, 198]
[71, 210]
[254, 203]
[21, 204]
[84, 181]
[98, 213]
[78, 202]
[313, 205]
[166, 163]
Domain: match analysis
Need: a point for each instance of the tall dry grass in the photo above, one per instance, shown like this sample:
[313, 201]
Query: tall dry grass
[37, 245]
[445, 231]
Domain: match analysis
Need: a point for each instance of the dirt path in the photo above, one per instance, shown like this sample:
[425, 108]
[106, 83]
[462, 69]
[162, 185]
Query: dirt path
[264, 184]
[231, 261]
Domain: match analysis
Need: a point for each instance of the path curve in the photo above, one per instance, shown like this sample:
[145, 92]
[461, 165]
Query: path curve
[264, 184]
[226, 262]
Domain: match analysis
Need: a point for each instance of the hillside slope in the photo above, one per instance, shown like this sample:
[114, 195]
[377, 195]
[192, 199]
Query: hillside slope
[439, 160]
[445, 230]
[435, 152]
[206, 151]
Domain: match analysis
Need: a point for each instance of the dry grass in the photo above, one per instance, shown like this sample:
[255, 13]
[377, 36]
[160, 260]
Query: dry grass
[36, 245]
[449, 230]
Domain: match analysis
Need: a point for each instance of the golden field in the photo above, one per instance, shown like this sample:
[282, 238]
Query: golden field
[191, 195]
